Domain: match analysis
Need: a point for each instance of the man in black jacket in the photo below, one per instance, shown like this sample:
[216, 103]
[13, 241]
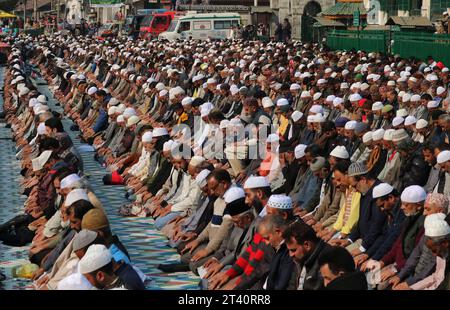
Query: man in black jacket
[414, 170]
[305, 247]
[338, 270]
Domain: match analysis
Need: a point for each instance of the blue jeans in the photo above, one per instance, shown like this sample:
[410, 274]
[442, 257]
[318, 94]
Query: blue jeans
[163, 220]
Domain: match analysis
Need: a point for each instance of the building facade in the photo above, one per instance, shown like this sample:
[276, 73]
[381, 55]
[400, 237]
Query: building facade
[300, 13]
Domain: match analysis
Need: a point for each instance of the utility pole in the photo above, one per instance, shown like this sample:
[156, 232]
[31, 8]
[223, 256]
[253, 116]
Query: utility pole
[24, 13]
[35, 9]
[58, 8]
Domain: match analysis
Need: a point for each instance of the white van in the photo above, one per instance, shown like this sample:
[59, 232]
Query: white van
[201, 26]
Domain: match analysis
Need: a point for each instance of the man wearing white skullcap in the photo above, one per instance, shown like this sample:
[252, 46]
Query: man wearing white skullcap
[443, 161]
[76, 195]
[280, 205]
[257, 193]
[412, 203]
[75, 281]
[97, 266]
[413, 198]
[340, 152]
[190, 191]
[92, 90]
[437, 241]
[69, 181]
[386, 198]
[397, 122]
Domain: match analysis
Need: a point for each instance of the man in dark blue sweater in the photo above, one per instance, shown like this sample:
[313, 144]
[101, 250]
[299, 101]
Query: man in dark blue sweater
[388, 200]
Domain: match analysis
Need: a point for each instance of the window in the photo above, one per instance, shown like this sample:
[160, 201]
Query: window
[202, 25]
[439, 6]
[184, 26]
[159, 22]
[172, 26]
[147, 21]
[225, 24]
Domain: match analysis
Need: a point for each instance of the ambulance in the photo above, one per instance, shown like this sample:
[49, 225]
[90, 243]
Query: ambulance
[201, 26]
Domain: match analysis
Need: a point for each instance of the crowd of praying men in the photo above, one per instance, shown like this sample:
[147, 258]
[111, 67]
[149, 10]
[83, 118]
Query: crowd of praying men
[267, 165]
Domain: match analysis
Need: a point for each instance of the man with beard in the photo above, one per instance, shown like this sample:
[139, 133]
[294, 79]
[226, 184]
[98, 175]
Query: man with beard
[412, 203]
[387, 200]
[290, 167]
[349, 134]
[443, 186]
[388, 115]
[371, 219]
[338, 270]
[421, 262]
[253, 265]
[431, 160]
[339, 123]
[56, 264]
[190, 194]
[294, 130]
[257, 193]
[237, 241]
[97, 266]
[444, 123]
[305, 247]
[391, 170]
[437, 234]
[252, 114]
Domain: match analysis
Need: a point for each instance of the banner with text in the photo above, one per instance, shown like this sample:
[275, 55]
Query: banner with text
[106, 3]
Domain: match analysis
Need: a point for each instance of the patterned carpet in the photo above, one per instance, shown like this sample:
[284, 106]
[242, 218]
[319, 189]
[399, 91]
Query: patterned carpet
[146, 246]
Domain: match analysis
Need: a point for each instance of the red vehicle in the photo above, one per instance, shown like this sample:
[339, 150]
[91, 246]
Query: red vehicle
[152, 25]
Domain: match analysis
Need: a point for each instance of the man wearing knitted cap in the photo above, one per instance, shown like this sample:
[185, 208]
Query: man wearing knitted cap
[349, 206]
[371, 219]
[388, 115]
[97, 221]
[307, 196]
[250, 268]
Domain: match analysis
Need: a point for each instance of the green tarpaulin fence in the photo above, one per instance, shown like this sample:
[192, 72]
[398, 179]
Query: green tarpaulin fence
[406, 44]
[363, 40]
[106, 3]
[421, 45]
